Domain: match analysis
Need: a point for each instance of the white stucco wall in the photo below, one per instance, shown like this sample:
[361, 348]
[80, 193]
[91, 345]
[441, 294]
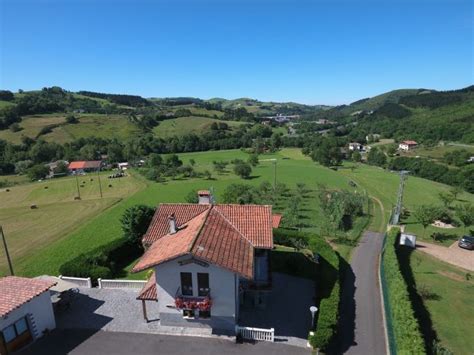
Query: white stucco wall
[41, 309]
[221, 282]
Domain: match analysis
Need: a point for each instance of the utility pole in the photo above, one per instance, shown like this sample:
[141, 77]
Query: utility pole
[100, 184]
[77, 185]
[274, 174]
[274, 170]
[6, 251]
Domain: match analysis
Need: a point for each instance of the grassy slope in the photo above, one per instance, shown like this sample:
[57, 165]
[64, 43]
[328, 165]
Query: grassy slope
[292, 167]
[384, 185]
[31, 230]
[106, 226]
[184, 125]
[98, 125]
[452, 308]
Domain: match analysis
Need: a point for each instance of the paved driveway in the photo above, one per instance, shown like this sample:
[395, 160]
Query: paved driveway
[453, 255]
[90, 342]
[361, 323]
[287, 309]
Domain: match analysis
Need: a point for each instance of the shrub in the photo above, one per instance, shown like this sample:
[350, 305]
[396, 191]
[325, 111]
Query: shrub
[38, 172]
[406, 329]
[135, 221]
[243, 170]
[103, 262]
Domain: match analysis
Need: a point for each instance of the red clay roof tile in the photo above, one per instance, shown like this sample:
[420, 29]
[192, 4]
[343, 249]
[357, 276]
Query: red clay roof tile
[225, 235]
[16, 291]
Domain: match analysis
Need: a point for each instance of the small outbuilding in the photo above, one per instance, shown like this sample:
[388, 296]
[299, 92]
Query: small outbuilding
[408, 240]
[26, 312]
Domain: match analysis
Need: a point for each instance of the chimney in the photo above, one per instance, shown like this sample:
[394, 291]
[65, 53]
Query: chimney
[205, 197]
[172, 222]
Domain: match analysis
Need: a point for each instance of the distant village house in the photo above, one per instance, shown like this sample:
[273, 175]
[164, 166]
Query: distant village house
[407, 145]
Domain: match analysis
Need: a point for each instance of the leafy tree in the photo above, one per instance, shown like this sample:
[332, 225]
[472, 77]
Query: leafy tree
[38, 172]
[292, 212]
[154, 160]
[22, 166]
[243, 170]
[207, 174]
[465, 213]
[135, 221]
[192, 197]
[356, 157]
[425, 215]
[192, 162]
[376, 157]
[173, 161]
[219, 166]
[71, 119]
[456, 191]
[253, 159]
[6, 95]
[239, 193]
[61, 168]
[446, 198]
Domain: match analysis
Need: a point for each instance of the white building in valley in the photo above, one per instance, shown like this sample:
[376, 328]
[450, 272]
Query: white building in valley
[407, 145]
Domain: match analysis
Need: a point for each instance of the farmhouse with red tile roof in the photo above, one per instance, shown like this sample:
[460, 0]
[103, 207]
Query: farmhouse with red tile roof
[206, 258]
[25, 311]
[407, 145]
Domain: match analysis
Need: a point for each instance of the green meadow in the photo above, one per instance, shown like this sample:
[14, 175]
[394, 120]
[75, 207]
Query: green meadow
[448, 298]
[185, 125]
[78, 230]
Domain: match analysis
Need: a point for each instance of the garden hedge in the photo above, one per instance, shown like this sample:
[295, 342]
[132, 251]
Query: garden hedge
[408, 338]
[103, 262]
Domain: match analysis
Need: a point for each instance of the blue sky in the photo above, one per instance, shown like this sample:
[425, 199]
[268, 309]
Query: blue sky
[317, 52]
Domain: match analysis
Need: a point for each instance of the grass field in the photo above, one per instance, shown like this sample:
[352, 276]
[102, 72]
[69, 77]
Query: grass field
[383, 185]
[96, 228]
[29, 230]
[185, 125]
[437, 152]
[293, 167]
[97, 125]
[450, 302]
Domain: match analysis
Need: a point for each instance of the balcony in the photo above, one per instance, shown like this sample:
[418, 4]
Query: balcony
[201, 303]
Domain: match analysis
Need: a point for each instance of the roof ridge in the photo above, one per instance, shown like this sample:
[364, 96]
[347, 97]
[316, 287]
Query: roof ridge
[233, 226]
[207, 211]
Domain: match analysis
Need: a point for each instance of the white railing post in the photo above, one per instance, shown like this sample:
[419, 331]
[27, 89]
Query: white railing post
[99, 280]
[255, 333]
[89, 282]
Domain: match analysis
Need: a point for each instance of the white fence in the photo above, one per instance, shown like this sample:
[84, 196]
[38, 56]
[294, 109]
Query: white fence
[255, 333]
[79, 281]
[121, 283]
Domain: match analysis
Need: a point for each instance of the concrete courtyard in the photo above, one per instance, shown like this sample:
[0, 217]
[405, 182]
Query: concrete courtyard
[97, 314]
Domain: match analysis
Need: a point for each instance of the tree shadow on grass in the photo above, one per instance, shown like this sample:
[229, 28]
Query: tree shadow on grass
[420, 310]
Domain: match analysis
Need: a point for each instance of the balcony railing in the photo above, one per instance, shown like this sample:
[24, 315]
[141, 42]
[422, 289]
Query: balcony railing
[202, 303]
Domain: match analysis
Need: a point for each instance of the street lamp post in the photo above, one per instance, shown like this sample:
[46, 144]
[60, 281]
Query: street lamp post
[313, 310]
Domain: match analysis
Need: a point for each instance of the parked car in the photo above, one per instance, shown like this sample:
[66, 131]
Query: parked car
[466, 242]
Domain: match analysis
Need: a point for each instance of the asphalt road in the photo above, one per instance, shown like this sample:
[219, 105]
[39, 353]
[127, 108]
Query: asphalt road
[93, 342]
[361, 323]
